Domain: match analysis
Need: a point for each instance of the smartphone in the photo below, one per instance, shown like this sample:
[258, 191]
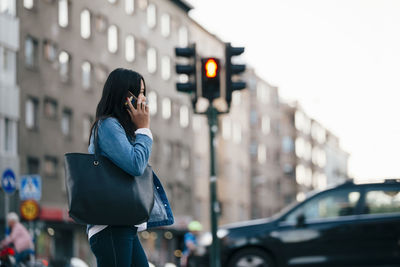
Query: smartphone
[133, 100]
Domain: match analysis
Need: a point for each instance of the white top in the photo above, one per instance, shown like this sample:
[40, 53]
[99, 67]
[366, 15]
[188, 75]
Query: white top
[141, 227]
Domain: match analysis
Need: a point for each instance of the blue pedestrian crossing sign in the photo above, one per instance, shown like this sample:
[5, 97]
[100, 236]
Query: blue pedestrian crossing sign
[31, 187]
[8, 181]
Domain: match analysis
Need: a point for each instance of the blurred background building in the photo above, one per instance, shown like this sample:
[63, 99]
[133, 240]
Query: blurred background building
[269, 187]
[318, 159]
[269, 152]
[9, 97]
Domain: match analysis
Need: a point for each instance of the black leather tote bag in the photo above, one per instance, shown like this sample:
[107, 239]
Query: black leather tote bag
[99, 192]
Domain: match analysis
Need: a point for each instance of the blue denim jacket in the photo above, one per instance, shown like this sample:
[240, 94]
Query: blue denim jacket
[132, 155]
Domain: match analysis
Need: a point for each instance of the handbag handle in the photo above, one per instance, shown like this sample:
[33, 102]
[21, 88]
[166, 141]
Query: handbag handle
[96, 145]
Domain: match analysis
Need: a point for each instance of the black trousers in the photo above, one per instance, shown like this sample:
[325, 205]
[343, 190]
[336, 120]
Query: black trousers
[118, 246]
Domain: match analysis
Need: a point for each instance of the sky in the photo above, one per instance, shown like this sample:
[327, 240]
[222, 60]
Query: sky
[339, 58]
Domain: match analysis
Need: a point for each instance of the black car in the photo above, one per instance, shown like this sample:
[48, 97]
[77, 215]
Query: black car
[349, 225]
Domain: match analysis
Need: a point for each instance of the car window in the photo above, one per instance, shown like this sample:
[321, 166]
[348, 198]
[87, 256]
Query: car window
[382, 201]
[329, 205]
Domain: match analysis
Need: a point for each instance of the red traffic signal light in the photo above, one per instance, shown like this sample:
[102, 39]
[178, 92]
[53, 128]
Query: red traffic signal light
[210, 78]
[211, 68]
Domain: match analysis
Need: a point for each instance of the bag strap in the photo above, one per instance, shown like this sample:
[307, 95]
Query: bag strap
[96, 144]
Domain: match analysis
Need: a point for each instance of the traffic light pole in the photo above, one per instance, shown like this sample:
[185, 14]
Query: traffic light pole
[210, 88]
[214, 205]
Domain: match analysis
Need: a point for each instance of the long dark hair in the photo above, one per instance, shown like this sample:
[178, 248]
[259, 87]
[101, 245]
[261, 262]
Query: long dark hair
[115, 91]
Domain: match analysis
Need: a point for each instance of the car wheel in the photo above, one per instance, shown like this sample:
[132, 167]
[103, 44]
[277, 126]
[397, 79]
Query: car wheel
[251, 257]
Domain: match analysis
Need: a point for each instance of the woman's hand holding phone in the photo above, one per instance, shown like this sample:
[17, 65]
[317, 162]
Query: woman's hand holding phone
[140, 115]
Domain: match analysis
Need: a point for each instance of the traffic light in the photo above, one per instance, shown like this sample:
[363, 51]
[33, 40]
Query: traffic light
[231, 70]
[188, 69]
[210, 69]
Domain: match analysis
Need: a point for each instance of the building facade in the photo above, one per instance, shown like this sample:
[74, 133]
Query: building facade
[9, 98]
[233, 164]
[336, 167]
[319, 160]
[262, 147]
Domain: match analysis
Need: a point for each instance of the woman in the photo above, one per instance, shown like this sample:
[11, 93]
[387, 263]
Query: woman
[124, 137]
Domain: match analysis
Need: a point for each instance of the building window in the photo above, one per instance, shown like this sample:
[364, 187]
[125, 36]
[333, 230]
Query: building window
[86, 74]
[262, 93]
[4, 58]
[288, 169]
[64, 61]
[183, 36]
[151, 60]
[151, 16]
[303, 175]
[31, 116]
[318, 133]
[196, 123]
[319, 181]
[28, 4]
[33, 165]
[130, 48]
[265, 124]
[261, 154]
[50, 108]
[287, 144]
[237, 133]
[152, 100]
[8, 59]
[253, 149]
[165, 68]
[10, 136]
[7, 7]
[165, 25]
[112, 1]
[112, 39]
[167, 150]
[166, 108]
[129, 6]
[184, 116]
[31, 52]
[301, 122]
[318, 157]
[85, 24]
[226, 128]
[253, 117]
[185, 158]
[300, 197]
[300, 174]
[100, 23]
[87, 123]
[63, 13]
[299, 147]
[236, 98]
[50, 166]
[49, 50]
[7, 134]
[66, 122]
[298, 120]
